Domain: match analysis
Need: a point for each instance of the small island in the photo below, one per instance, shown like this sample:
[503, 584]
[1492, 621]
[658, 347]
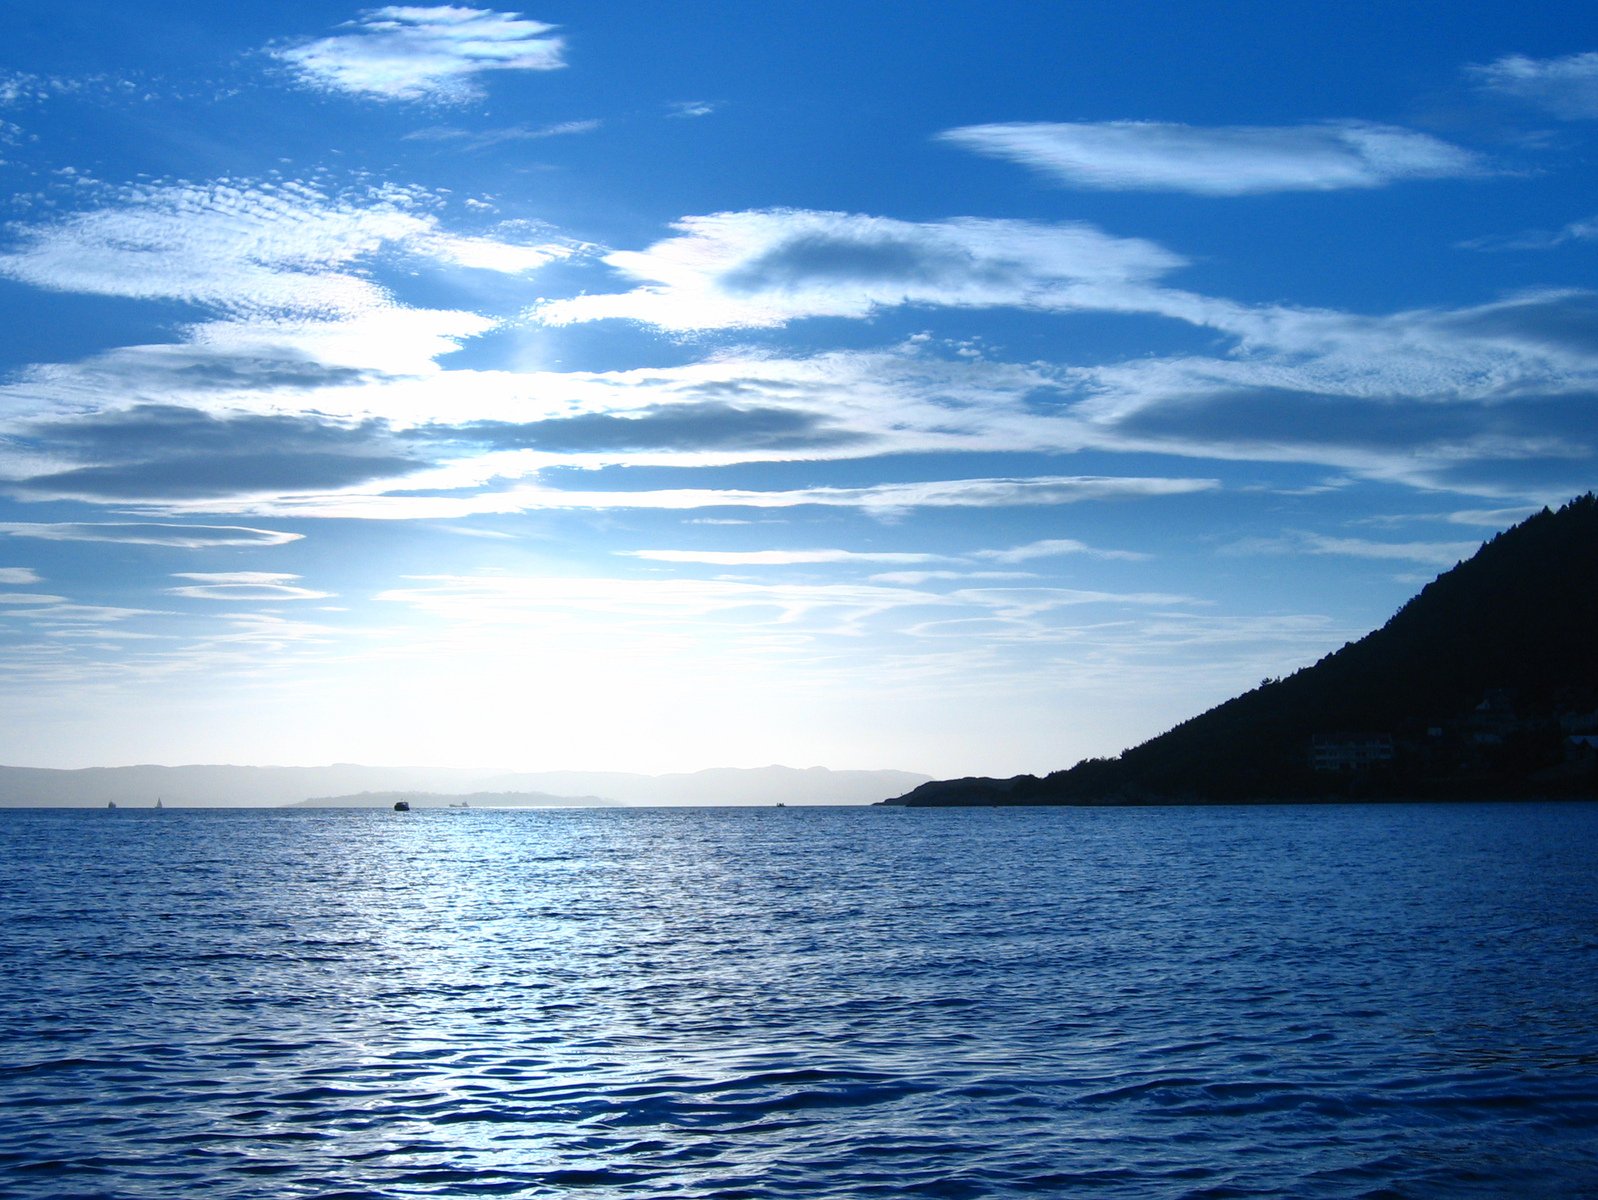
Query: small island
[1484, 686]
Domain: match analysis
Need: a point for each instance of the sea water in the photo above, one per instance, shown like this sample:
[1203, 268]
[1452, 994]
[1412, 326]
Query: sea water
[1383, 1001]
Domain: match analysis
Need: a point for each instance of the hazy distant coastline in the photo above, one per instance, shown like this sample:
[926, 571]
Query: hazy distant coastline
[347, 785]
[453, 800]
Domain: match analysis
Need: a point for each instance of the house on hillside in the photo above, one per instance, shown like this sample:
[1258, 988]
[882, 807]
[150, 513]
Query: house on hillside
[1350, 752]
[1494, 719]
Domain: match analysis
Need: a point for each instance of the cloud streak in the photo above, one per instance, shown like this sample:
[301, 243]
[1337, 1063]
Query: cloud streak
[1049, 548]
[1054, 548]
[242, 585]
[778, 558]
[150, 533]
[1538, 239]
[498, 602]
[1233, 160]
[1439, 555]
[476, 140]
[881, 500]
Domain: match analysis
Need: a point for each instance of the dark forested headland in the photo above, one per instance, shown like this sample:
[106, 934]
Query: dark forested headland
[1484, 685]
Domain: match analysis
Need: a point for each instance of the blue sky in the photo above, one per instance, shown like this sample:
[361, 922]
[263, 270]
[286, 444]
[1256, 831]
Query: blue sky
[968, 388]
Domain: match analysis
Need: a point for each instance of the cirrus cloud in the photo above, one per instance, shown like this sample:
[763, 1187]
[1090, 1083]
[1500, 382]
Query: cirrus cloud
[1054, 547]
[778, 558]
[1566, 87]
[243, 585]
[884, 501]
[250, 248]
[1431, 554]
[147, 533]
[1232, 160]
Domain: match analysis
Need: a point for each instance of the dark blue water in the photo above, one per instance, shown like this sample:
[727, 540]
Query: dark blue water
[1343, 1001]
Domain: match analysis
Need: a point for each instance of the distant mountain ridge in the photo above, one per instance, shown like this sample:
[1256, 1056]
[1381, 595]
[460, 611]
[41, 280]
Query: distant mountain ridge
[1484, 684]
[244, 787]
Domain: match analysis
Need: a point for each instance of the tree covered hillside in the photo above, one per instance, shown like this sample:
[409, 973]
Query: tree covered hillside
[1475, 687]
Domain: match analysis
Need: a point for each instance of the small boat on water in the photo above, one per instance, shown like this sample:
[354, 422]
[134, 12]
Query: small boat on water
[110, 803]
[402, 806]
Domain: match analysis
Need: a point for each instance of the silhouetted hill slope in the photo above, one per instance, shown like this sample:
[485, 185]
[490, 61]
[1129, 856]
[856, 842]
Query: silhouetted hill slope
[1472, 688]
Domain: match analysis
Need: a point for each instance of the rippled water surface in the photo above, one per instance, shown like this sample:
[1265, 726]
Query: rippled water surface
[1342, 1001]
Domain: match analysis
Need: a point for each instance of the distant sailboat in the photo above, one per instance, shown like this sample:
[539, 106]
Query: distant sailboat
[110, 803]
[158, 802]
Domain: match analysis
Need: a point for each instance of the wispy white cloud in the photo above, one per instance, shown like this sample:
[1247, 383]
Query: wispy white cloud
[1537, 239]
[1399, 397]
[693, 108]
[761, 608]
[386, 342]
[883, 500]
[496, 600]
[918, 578]
[1532, 343]
[25, 87]
[345, 368]
[1433, 554]
[483, 139]
[777, 558]
[408, 52]
[1219, 161]
[1490, 518]
[240, 249]
[12, 576]
[284, 269]
[1566, 87]
[764, 268]
[252, 389]
[467, 531]
[242, 585]
[1037, 599]
[145, 533]
[1054, 547]
[278, 249]
[16, 86]
[21, 88]
[1437, 554]
[61, 613]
